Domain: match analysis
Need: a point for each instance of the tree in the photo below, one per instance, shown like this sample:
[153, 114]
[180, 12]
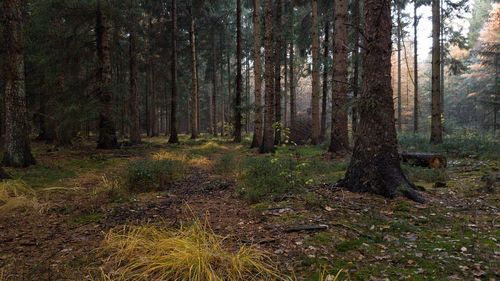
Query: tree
[107, 132]
[17, 144]
[437, 114]
[173, 103]
[194, 79]
[268, 137]
[339, 138]
[355, 61]
[135, 130]
[239, 77]
[277, 72]
[415, 68]
[399, 35]
[257, 135]
[315, 74]
[324, 100]
[375, 165]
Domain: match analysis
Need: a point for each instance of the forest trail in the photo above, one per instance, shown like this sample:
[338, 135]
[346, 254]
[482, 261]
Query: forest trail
[453, 235]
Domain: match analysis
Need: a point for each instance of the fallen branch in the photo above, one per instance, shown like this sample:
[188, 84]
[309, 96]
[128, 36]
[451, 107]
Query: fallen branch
[318, 227]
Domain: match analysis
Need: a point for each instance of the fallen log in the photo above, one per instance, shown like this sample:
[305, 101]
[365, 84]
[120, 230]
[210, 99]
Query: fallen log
[421, 159]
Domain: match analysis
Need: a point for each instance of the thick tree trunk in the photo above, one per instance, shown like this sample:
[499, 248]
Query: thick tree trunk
[107, 132]
[315, 75]
[268, 133]
[326, 67]
[277, 73]
[173, 103]
[194, 81]
[257, 130]
[339, 138]
[17, 144]
[415, 69]
[239, 78]
[375, 165]
[436, 114]
[135, 130]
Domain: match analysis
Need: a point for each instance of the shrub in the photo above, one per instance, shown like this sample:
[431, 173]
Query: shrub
[15, 194]
[420, 174]
[268, 177]
[150, 175]
[225, 164]
[192, 253]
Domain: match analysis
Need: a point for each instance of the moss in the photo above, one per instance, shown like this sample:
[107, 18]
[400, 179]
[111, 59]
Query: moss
[93, 217]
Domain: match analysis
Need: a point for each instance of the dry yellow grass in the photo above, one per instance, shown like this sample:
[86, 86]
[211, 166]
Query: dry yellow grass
[15, 194]
[191, 253]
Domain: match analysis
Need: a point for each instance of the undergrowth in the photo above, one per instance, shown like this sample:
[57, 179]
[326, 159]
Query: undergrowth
[150, 174]
[15, 194]
[192, 253]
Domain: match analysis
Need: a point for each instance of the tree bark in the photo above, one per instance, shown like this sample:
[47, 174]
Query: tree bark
[293, 105]
[436, 114]
[239, 78]
[213, 107]
[399, 35]
[173, 103]
[415, 69]
[194, 80]
[268, 137]
[315, 139]
[326, 67]
[107, 132]
[17, 143]
[355, 59]
[277, 73]
[135, 130]
[257, 134]
[339, 138]
[375, 165]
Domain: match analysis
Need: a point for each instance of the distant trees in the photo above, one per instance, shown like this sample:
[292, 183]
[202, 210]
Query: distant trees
[16, 138]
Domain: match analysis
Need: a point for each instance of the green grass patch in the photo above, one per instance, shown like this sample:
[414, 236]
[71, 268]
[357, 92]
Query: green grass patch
[151, 175]
[92, 217]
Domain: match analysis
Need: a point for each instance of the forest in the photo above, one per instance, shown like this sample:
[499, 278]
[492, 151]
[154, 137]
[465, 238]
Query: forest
[214, 140]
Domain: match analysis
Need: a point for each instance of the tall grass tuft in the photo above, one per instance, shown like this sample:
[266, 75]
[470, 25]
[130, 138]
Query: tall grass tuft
[191, 253]
[150, 175]
[15, 194]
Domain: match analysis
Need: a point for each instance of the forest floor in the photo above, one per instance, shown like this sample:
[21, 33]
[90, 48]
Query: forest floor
[454, 236]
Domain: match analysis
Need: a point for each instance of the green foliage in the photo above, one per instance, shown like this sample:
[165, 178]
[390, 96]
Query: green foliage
[271, 178]
[225, 164]
[150, 175]
[459, 144]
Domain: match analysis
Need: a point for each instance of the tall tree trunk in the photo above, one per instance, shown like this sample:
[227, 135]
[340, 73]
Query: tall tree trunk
[135, 130]
[375, 165]
[277, 73]
[436, 116]
[213, 107]
[239, 77]
[415, 68]
[107, 132]
[315, 138]
[399, 35]
[339, 137]
[268, 133]
[326, 68]
[17, 143]
[293, 104]
[154, 102]
[247, 94]
[173, 103]
[194, 80]
[355, 59]
[442, 59]
[257, 130]
[221, 81]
